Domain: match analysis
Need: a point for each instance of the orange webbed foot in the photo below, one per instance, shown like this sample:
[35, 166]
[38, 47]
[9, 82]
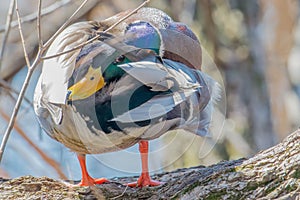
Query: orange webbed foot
[144, 181]
[87, 180]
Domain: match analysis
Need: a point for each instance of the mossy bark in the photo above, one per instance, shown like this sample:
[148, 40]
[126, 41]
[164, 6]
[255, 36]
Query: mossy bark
[271, 174]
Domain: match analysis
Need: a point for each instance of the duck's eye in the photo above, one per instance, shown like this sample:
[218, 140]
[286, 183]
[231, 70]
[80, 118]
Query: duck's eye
[119, 60]
[92, 78]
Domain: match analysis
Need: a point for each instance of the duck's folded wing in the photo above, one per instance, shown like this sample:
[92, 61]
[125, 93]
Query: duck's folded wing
[156, 107]
[161, 77]
[176, 86]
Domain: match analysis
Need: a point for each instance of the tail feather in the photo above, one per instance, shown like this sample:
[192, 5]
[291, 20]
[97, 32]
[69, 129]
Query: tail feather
[201, 124]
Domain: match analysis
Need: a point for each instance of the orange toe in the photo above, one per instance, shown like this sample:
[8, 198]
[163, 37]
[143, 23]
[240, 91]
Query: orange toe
[100, 180]
[143, 181]
[92, 181]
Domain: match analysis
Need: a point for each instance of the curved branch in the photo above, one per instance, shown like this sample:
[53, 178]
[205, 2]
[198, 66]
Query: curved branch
[271, 174]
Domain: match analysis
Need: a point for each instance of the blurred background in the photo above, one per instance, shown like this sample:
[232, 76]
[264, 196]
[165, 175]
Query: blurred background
[255, 46]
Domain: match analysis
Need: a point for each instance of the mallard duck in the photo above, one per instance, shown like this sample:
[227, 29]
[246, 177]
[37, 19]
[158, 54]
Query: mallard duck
[136, 82]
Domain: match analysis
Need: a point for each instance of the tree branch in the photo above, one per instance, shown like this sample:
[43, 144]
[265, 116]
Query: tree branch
[271, 174]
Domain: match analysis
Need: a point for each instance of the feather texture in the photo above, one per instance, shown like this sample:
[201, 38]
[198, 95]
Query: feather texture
[151, 83]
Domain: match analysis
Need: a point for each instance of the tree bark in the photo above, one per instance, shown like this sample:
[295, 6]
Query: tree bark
[271, 174]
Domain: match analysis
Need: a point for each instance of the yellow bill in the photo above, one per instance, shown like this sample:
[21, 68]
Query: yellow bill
[88, 85]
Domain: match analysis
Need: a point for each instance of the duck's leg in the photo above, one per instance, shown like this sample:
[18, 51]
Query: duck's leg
[144, 179]
[87, 180]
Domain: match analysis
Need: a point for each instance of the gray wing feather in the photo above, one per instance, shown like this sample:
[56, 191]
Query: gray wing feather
[146, 72]
[155, 107]
[161, 77]
[202, 120]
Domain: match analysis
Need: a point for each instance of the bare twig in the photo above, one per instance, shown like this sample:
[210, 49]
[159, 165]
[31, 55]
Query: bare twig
[30, 71]
[14, 99]
[44, 12]
[18, 104]
[97, 36]
[126, 16]
[39, 24]
[7, 29]
[49, 42]
[72, 49]
[5, 85]
[47, 159]
[119, 196]
[21, 35]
